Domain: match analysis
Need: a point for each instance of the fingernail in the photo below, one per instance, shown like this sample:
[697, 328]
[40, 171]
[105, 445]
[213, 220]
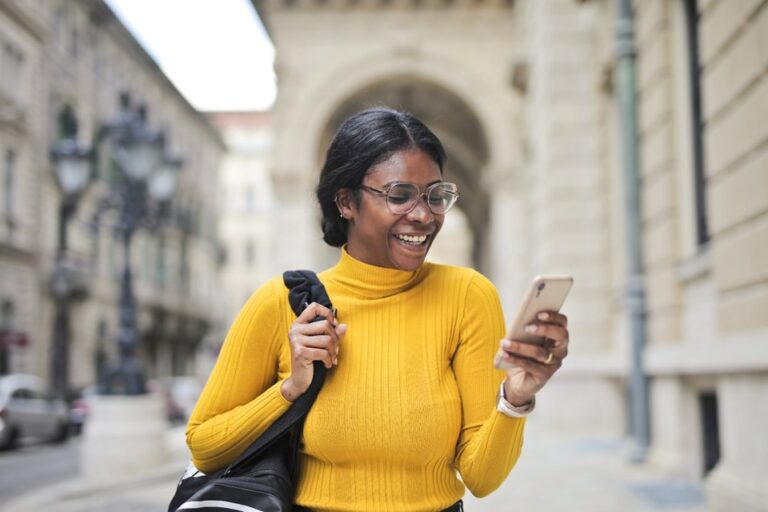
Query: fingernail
[335, 361]
[543, 316]
[530, 328]
[343, 328]
[506, 344]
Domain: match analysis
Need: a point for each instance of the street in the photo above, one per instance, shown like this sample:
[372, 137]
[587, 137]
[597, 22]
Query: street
[35, 465]
[556, 471]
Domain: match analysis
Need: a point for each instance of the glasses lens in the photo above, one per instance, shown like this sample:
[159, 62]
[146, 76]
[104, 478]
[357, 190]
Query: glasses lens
[441, 197]
[402, 197]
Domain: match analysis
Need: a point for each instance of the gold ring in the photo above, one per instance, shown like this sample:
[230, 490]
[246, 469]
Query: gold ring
[549, 359]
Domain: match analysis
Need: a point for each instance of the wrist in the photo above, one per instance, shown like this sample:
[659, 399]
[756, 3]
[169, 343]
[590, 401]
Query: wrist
[515, 399]
[513, 411]
[289, 390]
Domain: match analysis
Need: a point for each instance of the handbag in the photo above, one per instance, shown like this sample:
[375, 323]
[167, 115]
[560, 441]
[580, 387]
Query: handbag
[262, 478]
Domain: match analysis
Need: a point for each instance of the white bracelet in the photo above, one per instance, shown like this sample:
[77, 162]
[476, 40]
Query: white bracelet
[510, 410]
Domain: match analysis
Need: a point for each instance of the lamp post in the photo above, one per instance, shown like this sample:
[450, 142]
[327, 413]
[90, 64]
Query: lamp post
[146, 179]
[72, 170]
[141, 188]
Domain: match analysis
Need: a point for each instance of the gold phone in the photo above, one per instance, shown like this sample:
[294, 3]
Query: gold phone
[546, 293]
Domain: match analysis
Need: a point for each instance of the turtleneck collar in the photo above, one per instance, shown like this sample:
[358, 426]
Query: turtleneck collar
[370, 281]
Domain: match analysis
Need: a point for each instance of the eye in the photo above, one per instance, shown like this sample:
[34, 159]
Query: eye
[437, 199]
[400, 194]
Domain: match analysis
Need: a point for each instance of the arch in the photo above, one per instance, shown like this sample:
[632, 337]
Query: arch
[304, 121]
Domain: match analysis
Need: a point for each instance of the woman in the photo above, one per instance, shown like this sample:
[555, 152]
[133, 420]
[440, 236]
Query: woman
[411, 397]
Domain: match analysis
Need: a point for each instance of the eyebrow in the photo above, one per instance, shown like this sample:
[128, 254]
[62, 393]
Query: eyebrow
[410, 182]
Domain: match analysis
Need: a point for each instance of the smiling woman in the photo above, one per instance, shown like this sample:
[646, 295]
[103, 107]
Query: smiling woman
[412, 411]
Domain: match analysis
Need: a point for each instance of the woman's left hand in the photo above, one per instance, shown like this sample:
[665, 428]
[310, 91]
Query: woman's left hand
[534, 365]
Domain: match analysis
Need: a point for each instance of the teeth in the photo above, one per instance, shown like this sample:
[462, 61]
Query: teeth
[413, 239]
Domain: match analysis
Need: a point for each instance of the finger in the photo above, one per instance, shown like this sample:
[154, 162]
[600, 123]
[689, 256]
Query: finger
[318, 341]
[307, 355]
[553, 317]
[316, 328]
[554, 332]
[534, 367]
[341, 330]
[527, 350]
[313, 311]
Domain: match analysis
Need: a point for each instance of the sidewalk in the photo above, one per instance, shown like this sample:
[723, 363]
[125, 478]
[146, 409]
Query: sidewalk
[555, 473]
[560, 473]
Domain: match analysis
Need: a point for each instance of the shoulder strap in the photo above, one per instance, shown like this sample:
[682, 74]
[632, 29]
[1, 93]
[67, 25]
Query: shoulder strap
[303, 288]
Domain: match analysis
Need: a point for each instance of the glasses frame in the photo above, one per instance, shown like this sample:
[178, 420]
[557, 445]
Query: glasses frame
[421, 194]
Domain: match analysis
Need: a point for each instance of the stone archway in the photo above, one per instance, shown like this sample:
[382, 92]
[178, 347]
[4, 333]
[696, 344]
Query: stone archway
[465, 142]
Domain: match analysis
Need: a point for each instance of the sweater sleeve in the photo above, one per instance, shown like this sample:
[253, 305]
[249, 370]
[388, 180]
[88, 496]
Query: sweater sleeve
[242, 396]
[490, 442]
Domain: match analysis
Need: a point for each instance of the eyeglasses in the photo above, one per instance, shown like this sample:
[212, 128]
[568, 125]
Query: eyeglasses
[402, 197]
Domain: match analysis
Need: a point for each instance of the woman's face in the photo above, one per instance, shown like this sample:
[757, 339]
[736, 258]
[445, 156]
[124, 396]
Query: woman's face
[377, 236]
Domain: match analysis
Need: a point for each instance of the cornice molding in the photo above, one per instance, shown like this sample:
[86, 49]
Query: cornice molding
[17, 14]
[350, 5]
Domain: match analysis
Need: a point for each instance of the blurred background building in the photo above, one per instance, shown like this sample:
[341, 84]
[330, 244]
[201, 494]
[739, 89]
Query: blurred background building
[246, 226]
[525, 96]
[65, 63]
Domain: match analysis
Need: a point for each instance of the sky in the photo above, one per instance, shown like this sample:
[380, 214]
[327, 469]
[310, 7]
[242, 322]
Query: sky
[216, 52]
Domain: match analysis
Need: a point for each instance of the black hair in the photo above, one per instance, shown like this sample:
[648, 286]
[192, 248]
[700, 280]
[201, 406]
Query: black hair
[362, 141]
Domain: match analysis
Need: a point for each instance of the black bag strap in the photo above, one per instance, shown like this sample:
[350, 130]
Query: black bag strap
[303, 288]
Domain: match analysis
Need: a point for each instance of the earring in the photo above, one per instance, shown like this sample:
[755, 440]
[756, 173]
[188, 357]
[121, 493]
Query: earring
[336, 200]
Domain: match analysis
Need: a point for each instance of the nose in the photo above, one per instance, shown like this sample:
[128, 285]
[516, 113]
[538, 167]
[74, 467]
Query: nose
[421, 212]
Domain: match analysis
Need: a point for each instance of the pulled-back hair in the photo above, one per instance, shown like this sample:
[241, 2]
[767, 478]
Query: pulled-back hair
[362, 141]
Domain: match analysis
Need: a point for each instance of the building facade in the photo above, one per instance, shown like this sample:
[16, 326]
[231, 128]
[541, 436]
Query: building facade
[246, 226]
[524, 97]
[75, 58]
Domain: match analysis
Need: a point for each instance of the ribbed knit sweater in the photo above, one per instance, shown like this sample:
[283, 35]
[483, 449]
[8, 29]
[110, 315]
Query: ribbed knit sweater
[410, 403]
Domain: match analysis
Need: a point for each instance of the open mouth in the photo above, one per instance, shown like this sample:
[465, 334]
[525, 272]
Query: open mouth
[413, 240]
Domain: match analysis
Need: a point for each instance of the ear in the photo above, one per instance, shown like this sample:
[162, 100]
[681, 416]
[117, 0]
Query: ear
[345, 203]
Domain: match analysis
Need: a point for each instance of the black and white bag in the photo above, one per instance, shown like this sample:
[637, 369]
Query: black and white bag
[262, 479]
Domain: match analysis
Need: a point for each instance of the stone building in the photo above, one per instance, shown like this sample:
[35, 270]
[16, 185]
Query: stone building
[523, 95]
[75, 58]
[245, 197]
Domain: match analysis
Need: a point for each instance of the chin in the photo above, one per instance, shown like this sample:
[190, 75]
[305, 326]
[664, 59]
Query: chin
[408, 263]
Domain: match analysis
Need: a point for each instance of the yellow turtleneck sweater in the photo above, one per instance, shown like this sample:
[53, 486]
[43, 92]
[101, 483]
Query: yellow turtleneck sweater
[411, 402]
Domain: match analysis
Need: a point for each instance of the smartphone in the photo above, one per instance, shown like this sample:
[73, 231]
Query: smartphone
[546, 293]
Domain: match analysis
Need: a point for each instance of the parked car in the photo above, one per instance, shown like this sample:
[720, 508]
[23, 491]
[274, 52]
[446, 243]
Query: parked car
[80, 407]
[28, 411]
[180, 394]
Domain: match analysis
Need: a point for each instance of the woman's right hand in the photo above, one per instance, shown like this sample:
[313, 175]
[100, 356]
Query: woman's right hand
[311, 341]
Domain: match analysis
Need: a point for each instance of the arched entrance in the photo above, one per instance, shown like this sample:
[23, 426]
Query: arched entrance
[465, 232]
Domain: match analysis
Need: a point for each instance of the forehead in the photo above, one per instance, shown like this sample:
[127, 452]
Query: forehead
[411, 165]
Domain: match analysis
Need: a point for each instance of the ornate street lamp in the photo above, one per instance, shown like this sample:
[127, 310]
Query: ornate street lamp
[146, 177]
[142, 183]
[72, 169]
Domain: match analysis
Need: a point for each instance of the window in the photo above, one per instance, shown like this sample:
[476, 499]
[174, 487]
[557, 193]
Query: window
[12, 76]
[691, 9]
[6, 315]
[161, 270]
[710, 430]
[9, 171]
[6, 326]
